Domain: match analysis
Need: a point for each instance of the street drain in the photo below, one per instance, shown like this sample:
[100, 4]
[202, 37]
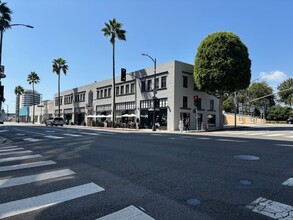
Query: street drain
[193, 202]
[245, 182]
[246, 157]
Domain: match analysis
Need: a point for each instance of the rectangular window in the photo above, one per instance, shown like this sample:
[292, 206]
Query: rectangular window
[117, 90]
[143, 86]
[212, 105]
[102, 94]
[185, 81]
[163, 81]
[127, 89]
[105, 92]
[157, 83]
[149, 85]
[185, 104]
[121, 90]
[132, 88]
[98, 94]
[109, 92]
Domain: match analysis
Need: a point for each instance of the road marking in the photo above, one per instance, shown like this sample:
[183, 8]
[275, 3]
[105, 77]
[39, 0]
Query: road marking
[32, 139]
[12, 149]
[37, 202]
[4, 183]
[3, 131]
[73, 135]
[130, 212]
[273, 135]
[203, 138]
[285, 145]
[94, 134]
[20, 134]
[230, 140]
[255, 134]
[26, 165]
[53, 137]
[16, 152]
[288, 182]
[271, 208]
[9, 147]
[20, 158]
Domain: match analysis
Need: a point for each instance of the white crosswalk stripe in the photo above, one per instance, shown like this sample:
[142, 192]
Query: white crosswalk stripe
[32, 139]
[88, 133]
[130, 212]
[4, 183]
[20, 158]
[73, 135]
[15, 152]
[12, 149]
[17, 207]
[26, 165]
[272, 209]
[288, 182]
[53, 137]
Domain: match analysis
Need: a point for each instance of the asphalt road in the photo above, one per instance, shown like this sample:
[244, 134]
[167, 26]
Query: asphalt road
[159, 175]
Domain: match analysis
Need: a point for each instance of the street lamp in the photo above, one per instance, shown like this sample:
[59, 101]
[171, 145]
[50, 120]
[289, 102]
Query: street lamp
[154, 89]
[1, 38]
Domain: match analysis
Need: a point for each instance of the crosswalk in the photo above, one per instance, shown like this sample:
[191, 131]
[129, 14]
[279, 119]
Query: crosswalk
[10, 164]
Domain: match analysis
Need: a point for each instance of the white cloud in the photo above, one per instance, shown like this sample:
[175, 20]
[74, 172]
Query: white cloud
[273, 77]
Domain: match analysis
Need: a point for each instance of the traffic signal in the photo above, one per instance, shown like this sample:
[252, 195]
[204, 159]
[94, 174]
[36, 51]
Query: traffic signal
[195, 100]
[157, 103]
[1, 93]
[123, 74]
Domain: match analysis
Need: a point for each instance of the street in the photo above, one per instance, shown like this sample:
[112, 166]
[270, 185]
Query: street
[86, 173]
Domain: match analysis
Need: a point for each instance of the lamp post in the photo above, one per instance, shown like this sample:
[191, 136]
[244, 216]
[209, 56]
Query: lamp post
[154, 89]
[1, 39]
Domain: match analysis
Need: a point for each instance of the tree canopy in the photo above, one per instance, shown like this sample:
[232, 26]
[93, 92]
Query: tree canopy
[222, 64]
[286, 92]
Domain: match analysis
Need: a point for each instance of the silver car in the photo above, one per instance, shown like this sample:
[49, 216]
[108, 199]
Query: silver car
[55, 121]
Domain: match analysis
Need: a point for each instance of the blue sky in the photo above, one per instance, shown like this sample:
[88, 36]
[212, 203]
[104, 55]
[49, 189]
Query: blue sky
[166, 29]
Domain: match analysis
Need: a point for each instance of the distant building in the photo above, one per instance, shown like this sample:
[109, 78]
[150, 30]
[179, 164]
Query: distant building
[26, 99]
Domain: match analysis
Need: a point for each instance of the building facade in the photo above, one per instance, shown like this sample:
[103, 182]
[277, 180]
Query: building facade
[175, 94]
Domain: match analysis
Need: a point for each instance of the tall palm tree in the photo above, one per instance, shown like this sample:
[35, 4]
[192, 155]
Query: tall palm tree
[33, 79]
[18, 91]
[113, 29]
[58, 66]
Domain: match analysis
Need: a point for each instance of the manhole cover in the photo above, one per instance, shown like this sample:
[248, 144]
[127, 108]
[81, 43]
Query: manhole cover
[245, 182]
[246, 157]
[193, 202]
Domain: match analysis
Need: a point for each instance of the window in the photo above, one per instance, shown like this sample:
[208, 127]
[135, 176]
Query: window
[132, 88]
[127, 89]
[105, 92]
[157, 83]
[121, 90]
[143, 86]
[163, 81]
[109, 92]
[199, 104]
[185, 82]
[185, 102]
[212, 107]
[57, 101]
[102, 94]
[149, 85]
[98, 94]
[67, 99]
[117, 90]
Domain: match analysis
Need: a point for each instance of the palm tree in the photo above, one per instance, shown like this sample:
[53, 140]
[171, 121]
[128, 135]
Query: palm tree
[58, 66]
[18, 91]
[33, 79]
[113, 29]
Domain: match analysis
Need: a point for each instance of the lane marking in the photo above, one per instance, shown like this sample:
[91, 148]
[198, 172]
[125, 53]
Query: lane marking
[12, 149]
[272, 209]
[53, 137]
[94, 134]
[20, 158]
[273, 135]
[20, 134]
[49, 199]
[285, 145]
[255, 134]
[32, 139]
[73, 135]
[130, 212]
[4, 183]
[230, 140]
[203, 138]
[288, 182]
[3, 131]
[9, 147]
[26, 165]
[16, 152]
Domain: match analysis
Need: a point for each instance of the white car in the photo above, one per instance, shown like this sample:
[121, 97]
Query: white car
[55, 121]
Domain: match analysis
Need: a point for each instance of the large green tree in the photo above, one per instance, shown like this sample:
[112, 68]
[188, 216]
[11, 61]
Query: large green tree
[18, 91]
[286, 92]
[33, 79]
[58, 66]
[222, 65]
[113, 30]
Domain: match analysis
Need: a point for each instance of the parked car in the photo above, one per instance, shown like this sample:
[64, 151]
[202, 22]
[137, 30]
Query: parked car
[55, 121]
[1, 120]
[289, 120]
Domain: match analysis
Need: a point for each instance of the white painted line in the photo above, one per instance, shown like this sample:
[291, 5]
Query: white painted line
[20, 134]
[229, 140]
[3, 131]
[285, 145]
[20, 158]
[130, 213]
[53, 137]
[273, 135]
[73, 135]
[255, 134]
[11, 149]
[16, 152]
[288, 182]
[88, 133]
[203, 138]
[271, 209]
[4, 183]
[32, 139]
[26, 165]
[37, 202]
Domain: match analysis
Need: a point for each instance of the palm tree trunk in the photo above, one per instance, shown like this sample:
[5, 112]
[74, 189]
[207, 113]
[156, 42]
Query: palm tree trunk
[33, 103]
[58, 94]
[114, 93]
[18, 106]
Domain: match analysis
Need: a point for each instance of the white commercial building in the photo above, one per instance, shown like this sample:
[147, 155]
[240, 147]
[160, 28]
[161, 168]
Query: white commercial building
[175, 91]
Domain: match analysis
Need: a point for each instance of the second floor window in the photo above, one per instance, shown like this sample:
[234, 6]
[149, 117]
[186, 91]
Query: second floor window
[132, 88]
[149, 85]
[185, 81]
[143, 86]
[164, 82]
[127, 89]
[185, 103]
[212, 105]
